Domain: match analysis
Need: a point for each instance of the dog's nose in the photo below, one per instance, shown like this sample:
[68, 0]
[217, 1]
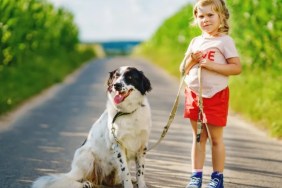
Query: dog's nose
[118, 86]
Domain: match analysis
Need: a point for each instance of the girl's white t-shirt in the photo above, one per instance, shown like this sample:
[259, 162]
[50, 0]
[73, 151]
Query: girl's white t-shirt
[218, 50]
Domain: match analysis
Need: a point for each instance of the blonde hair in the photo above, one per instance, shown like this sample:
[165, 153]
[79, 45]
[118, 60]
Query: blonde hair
[220, 8]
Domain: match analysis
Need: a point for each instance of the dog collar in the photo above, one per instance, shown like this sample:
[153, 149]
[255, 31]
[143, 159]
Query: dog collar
[119, 113]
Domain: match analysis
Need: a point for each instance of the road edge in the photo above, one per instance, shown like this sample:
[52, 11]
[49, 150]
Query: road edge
[7, 119]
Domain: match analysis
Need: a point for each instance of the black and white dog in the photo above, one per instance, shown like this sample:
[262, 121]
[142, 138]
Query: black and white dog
[113, 140]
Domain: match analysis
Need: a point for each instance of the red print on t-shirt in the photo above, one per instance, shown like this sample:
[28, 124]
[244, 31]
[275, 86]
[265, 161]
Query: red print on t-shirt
[209, 55]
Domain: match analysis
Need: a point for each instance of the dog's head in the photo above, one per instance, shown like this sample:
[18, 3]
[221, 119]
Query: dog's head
[127, 84]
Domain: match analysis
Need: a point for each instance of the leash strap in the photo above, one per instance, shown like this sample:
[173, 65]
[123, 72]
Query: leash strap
[201, 116]
[200, 104]
[118, 114]
[166, 127]
[173, 111]
[202, 120]
[171, 116]
[174, 107]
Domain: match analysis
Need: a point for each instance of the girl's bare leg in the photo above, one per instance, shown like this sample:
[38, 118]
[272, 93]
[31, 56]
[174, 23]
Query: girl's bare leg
[218, 147]
[198, 152]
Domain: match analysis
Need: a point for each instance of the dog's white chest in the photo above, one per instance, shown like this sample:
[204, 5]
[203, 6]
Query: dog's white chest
[132, 130]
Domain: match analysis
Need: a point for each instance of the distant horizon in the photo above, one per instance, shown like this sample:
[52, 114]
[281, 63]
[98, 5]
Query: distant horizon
[113, 20]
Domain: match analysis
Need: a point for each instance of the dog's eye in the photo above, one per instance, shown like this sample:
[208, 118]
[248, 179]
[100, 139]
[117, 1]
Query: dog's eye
[129, 77]
[117, 75]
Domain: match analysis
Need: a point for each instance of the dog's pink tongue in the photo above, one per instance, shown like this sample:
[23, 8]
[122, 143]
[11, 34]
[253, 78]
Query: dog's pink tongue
[118, 98]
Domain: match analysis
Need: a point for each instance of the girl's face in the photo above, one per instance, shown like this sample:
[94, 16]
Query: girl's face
[208, 20]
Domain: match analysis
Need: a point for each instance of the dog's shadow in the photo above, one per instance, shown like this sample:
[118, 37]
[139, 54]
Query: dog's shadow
[116, 186]
[103, 186]
[120, 186]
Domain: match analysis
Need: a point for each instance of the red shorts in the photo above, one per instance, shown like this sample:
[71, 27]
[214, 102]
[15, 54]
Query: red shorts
[215, 108]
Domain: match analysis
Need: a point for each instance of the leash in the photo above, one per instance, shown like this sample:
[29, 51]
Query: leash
[118, 114]
[166, 127]
[202, 121]
[171, 116]
[169, 121]
[174, 107]
[201, 116]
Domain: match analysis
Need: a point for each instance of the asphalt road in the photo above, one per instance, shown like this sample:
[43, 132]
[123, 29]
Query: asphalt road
[42, 135]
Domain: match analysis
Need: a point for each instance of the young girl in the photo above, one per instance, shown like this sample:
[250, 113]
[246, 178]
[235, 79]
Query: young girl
[215, 53]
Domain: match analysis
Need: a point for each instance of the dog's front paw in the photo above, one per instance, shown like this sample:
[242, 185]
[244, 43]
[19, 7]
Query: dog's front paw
[87, 184]
[141, 185]
[127, 184]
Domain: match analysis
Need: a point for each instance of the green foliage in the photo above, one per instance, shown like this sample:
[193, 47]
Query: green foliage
[256, 27]
[38, 47]
[257, 95]
[257, 30]
[33, 26]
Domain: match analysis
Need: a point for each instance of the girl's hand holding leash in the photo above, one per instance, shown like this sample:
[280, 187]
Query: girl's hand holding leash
[197, 56]
[189, 61]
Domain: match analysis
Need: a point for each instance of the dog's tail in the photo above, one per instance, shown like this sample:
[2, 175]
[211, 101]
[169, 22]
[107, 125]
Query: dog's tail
[59, 181]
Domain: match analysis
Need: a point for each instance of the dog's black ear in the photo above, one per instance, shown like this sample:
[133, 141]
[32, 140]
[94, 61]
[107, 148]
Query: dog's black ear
[110, 79]
[146, 84]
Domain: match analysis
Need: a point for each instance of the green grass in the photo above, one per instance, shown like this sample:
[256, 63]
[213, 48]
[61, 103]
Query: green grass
[257, 95]
[23, 80]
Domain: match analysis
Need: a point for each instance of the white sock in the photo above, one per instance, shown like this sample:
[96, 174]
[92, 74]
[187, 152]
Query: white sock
[197, 170]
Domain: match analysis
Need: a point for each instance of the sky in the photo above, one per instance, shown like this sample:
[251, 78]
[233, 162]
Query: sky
[105, 20]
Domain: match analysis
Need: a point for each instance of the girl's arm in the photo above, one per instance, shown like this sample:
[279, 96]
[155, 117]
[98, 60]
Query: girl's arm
[233, 66]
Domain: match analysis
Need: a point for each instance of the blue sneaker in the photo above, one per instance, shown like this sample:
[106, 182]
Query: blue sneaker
[196, 180]
[216, 180]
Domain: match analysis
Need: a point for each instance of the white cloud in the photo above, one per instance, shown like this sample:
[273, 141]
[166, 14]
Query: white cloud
[119, 19]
